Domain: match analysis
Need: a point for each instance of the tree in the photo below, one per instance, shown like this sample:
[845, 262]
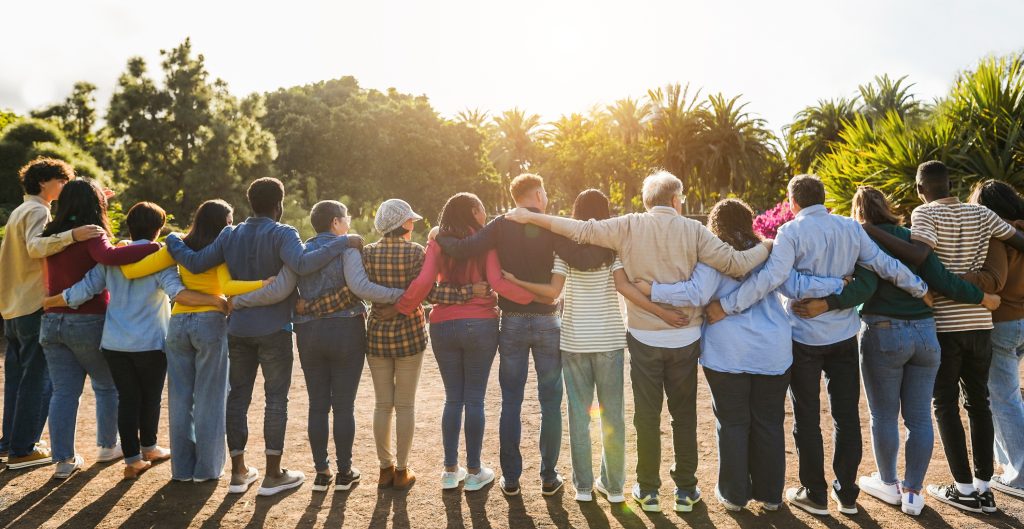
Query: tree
[884, 96]
[630, 120]
[189, 140]
[740, 148]
[677, 123]
[816, 131]
[76, 115]
[27, 139]
[515, 148]
[581, 152]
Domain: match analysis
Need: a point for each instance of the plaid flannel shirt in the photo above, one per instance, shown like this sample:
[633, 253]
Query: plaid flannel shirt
[392, 262]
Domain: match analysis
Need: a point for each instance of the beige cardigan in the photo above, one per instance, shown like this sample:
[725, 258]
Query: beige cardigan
[661, 245]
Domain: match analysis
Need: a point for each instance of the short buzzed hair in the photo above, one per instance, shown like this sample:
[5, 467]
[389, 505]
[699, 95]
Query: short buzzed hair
[933, 177]
[807, 190]
[324, 213]
[523, 184]
[660, 188]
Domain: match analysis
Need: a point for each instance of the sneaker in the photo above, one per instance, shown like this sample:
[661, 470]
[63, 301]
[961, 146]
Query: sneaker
[156, 454]
[987, 501]
[584, 496]
[481, 479]
[648, 500]
[612, 498]
[949, 494]
[550, 489]
[106, 455]
[346, 481]
[451, 480]
[322, 482]
[847, 509]
[1002, 486]
[66, 468]
[35, 458]
[240, 482]
[912, 502]
[289, 479]
[685, 499]
[3, 455]
[508, 489]
[729, 506]
[874, 486]
[800, 497]
[769, 506]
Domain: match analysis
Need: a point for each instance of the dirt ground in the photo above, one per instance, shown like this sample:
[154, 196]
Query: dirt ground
[96, 497]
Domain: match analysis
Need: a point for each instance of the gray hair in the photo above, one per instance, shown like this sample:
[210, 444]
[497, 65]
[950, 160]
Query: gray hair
[659, 189]
[806, 190]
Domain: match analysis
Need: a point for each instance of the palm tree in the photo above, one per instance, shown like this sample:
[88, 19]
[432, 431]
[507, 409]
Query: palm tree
[677, 123]
[515, 147]
[885, 95]
[738, 146]
[474, 118]
[816, 130]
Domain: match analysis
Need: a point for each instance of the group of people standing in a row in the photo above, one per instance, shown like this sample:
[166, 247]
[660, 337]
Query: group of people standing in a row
[762, 317]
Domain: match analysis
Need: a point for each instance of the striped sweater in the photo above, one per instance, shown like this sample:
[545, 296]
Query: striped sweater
[591, 319]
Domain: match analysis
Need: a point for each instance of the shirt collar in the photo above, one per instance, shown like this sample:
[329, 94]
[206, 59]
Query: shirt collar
[947, 201]
[664, 210]
[258, 220]
[816, 209]
[36, 199]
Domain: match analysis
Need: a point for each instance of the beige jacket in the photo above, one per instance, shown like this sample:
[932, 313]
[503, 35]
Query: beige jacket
[21, 257]
[661, 245]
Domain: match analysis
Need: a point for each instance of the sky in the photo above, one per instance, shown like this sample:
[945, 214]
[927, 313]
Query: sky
[549, 57]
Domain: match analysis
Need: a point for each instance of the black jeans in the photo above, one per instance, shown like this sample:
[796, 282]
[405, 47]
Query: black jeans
[139, 378]
[839, 362]
[749, 412]
[656, 373]
[966, 357]
[332, 352]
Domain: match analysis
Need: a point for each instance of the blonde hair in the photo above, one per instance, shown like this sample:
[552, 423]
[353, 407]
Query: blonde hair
[870, 206]
[523, 184]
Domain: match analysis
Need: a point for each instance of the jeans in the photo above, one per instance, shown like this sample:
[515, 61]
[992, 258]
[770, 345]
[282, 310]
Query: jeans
[1007, 406]
[395, 381]
[749, 412]
[842, 382]
[273, 354]
[71, 343]
[519, 336]
[197, 390]
[966, 357]
[585, 372]
[139, 377]
[899, 360]
[27, 387]
[332, 352]
[660, 374]
[465, 351]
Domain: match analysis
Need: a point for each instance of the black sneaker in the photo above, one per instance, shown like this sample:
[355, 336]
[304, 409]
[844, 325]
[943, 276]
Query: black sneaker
[987, 501]
[346, 481]
[550, 489]
[949, 494]
[322, 482]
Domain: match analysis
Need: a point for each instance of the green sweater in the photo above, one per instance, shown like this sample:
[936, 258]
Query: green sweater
[885, 299]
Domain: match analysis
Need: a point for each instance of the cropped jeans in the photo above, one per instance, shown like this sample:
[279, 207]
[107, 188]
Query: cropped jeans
[584, 374]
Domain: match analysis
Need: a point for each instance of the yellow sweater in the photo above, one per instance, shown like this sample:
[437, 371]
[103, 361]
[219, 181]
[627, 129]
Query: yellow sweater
[216, 281]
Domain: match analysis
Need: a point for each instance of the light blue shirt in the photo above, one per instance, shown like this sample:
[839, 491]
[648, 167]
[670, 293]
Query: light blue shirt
[817, 243]
[757, 340]
[139, 309]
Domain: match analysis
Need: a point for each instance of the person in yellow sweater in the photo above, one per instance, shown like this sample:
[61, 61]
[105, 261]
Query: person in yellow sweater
[197, 352]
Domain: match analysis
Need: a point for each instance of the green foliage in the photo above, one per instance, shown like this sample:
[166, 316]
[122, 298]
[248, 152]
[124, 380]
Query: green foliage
[76, 115]
[6, 118]
[29, 138]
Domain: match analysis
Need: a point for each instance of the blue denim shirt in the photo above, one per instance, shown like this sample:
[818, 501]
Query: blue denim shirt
[818, 243]
[759, 339]
[139, 309]
[257, 249]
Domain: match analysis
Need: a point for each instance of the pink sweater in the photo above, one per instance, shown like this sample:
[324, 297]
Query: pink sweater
[476, 308]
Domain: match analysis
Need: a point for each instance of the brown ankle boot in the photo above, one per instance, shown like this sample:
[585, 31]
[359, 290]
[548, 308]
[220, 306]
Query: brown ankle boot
[404, 478]
[387, 478]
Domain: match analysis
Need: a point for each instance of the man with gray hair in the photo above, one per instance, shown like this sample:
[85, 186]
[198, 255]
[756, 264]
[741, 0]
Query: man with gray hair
[664, 246]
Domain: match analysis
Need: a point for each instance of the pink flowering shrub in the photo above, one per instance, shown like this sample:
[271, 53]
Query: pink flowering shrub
[767, 224]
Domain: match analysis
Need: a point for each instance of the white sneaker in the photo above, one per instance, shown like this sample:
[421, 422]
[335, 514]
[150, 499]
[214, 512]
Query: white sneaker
[874, 486]
[612, 498]
[64, 469]
[239, 483]
[584, 496]
[912, 503]
[477, 481]
[999, 484]
[729, 506]
[451, 480]
[107, 455]
[289, 479]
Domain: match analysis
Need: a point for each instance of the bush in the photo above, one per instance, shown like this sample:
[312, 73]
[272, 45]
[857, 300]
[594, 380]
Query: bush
[767, 224]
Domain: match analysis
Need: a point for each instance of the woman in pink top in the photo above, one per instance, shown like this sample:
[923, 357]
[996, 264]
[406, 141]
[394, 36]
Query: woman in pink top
[464, 337]
[71, 337]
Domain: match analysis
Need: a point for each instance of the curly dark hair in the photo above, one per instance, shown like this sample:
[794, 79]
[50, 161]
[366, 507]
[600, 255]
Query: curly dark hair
[1000, 197]
[40, 170]
[80, 203]
[732, 220]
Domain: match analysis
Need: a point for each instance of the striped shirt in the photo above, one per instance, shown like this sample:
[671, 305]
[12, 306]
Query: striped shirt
[591, 320]
[960, 235]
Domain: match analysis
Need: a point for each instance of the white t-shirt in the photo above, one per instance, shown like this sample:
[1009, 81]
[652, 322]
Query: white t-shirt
[591, 320]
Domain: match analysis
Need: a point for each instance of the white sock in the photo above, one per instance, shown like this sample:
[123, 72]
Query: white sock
[981, 486]
[965, 488]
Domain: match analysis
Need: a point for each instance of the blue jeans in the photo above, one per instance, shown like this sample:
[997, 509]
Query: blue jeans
[585, 372]
[273, 354]
[1007, 406]
[332, 352]
[197, 373]
[465, 351]
[27, 387]
[518, 337]
[899, 360]
[71, 343]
